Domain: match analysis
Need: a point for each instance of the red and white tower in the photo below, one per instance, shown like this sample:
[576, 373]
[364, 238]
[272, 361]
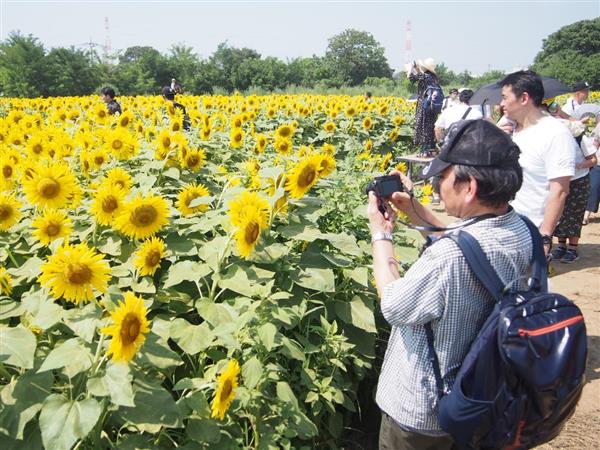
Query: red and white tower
[107, 48]
[408, 47]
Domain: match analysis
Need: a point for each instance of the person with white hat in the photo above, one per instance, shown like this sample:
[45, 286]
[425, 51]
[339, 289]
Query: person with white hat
[423, 72]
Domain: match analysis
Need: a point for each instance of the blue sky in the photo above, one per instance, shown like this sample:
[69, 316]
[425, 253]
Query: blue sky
[472, 35]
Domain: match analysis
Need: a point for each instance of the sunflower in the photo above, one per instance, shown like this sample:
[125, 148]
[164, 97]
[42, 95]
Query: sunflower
[284, 132]
[9, 211]
[129, 324]
[149, 256]
[73, 271]
[52, 186]
[326, 164]
[107, 203]
[118, 178]
[143, 216]
[227, 382]
[261, 143]
[303, 177]
[194, 159]
[51, 225]
[121, 144]
[98, 157]
[187, 195]
[8, 173]
[398, 120]
[100, 113]
[236, 137]
[125, 120]
[163, 144]
[6, 286]
[328, 149]
[246, 203]
[283, 146]
[367, 123]
[329, 127]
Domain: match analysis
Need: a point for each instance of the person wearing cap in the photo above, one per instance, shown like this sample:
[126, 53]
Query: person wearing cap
[581, 91]
[107, 94]
[169, 95]
[479, 173]
[452, 115]
[423, 72]
[451, 100]
[547, 152]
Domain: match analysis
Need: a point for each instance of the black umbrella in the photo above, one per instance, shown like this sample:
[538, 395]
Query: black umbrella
[491, 94]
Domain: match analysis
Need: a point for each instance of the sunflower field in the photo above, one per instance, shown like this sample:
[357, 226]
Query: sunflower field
[210, 288]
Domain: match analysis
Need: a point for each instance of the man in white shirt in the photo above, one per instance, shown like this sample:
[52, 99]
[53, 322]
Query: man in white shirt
[581, 91]
[451, 100]
[547, 152]
[452, 115]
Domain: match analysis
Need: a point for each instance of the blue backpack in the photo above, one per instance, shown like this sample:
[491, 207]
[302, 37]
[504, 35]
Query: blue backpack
[525, 371]
[433, 101]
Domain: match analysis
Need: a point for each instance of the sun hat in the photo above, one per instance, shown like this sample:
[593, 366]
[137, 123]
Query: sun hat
[473, 143]
[581, 86]
[427, 64]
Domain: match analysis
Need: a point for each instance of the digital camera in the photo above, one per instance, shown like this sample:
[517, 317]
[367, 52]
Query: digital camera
[385, 186]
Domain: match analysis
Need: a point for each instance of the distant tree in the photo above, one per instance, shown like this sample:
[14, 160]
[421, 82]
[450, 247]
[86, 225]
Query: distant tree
[71, 72]
[227, 60]
[22, 66]
[269, 73]
[445, 75]
[308, 71]
[142, 70]
[183, 64]
[355, 55]
[487, 78]
[572, 53]
[464, 78]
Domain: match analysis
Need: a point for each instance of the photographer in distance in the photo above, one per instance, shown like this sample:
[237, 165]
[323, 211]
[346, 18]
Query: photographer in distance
[479, 173]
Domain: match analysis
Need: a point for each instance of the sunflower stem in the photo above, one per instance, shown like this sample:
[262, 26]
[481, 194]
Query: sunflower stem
[95, 364]
[11, 257]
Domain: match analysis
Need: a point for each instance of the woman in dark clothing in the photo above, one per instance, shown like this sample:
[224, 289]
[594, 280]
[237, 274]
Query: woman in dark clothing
[424, 73]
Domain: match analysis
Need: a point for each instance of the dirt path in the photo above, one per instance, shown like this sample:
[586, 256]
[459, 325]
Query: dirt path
[580, 282]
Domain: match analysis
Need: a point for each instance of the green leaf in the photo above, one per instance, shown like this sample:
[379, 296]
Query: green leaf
[345, 243]
[84, 321]
[204, 200]
[321, 280]
[155, 408]
[357, 313]
[406, 255]
[185, 271]
[30, 269]
[172, 172]
[252, 371]
[112, 246]
[22, 399]
[285, 394]
[191, 338]
[198, 403]
[203, 430]
[248, 280]
[359, 274]
[266, 334]
[156, 352]
[71, 354]
[117, 381]
[180, 246]
[63, 422]
[10, 308]
[145, 285]
[17, 346]
[291, 349]
[43, 309]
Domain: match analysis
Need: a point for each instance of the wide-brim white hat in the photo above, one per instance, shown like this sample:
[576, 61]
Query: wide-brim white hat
[427, 64]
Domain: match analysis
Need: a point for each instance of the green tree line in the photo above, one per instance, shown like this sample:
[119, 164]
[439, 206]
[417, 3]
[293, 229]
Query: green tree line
[353, 60]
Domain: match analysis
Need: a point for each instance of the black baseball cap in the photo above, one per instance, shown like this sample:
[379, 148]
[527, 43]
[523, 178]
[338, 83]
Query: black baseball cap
[581, 86]
[474, 143]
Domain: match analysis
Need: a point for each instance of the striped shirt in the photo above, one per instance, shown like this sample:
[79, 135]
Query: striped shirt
[441, 289]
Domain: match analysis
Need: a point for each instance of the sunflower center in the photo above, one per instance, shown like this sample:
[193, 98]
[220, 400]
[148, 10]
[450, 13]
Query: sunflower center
[226, 391]
[99, 159]
[101, 113]
[153, 258]
[307, 176]
[7, 171]
[77, 273]
[37, 149]
[109, 204]
[176, 126]
[252, 232]
[117, 144]
[143, 216]
[125, 121]
[48, 188]
[5, 212]
[119, 184]
[193, 160]
[130, 329]
[52, 229]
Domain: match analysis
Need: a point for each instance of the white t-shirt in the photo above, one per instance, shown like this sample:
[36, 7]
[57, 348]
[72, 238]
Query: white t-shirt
[449, 102]
[454, 114]
[571, 105]
[547, 152]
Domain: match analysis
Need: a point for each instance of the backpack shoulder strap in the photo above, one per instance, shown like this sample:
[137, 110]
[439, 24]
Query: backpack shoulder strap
[466, 113]
[539, 264]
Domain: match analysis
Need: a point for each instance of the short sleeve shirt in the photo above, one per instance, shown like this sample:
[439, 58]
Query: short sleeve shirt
[455, 113]
[548, 151]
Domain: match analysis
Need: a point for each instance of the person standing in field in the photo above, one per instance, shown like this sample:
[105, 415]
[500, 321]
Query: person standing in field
[423, 73]
[581, 91]
[453, 114]
[107, 94]
[547, 152]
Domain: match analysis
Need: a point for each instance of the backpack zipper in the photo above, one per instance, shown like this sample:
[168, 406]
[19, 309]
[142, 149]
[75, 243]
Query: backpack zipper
[549, 329]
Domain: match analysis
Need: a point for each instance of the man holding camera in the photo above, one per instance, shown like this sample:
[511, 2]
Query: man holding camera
[479, 173]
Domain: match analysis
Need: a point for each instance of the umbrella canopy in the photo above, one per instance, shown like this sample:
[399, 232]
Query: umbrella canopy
[491, 94]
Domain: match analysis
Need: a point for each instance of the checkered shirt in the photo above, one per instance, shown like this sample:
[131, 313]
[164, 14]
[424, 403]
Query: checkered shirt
[441, 289]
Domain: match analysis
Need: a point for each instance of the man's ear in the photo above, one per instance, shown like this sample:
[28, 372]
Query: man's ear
[472, 190]
[525, 98]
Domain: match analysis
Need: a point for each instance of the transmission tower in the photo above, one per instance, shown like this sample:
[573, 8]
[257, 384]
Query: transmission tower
[107, 47]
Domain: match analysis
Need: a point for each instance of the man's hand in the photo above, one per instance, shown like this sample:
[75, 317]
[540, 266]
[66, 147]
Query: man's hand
[379, 223]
